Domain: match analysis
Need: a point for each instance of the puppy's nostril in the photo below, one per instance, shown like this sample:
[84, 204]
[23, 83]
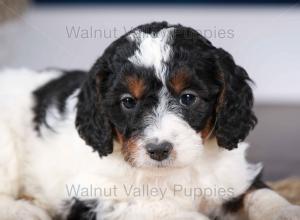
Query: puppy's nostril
[167, 146]
[159, 151]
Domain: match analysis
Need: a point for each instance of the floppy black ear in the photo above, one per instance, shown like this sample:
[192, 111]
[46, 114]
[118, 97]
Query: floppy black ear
[91, 121]
[234, 115]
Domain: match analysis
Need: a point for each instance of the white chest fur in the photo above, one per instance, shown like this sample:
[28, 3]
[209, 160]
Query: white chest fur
[59, 166]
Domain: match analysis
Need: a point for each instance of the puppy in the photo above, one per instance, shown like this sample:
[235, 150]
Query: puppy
[163, 113]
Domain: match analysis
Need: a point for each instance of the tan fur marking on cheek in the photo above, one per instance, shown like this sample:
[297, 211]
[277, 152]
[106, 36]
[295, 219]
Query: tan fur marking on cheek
[120, 137]
[136, 86]
[207, 130]
[179, 81]
[26, 197]
[129, 149]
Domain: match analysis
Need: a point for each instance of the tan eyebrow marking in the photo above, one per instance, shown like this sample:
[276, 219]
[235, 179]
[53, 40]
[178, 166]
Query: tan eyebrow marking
[136, 86]
[180, 81]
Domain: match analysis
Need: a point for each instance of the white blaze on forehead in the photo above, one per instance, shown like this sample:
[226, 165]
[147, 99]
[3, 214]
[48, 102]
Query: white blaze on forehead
[153, 50]
[164, 119]
[164, 107]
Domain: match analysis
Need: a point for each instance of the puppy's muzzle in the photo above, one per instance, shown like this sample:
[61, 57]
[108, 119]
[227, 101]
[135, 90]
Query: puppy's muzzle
[159, 151]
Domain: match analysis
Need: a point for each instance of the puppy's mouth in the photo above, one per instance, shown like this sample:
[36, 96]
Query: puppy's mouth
[165, 163]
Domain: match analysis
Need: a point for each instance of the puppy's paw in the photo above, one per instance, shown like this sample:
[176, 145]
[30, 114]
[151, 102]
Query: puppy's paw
[24, 210]
[114, 210]
[78, 209]
[291, 212]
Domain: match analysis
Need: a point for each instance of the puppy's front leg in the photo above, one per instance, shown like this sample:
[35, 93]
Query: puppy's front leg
[92, 209]
[95, 209]
[268, 205]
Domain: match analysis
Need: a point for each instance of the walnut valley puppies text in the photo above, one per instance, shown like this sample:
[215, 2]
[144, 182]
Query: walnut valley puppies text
[147, 191]
[92, 32]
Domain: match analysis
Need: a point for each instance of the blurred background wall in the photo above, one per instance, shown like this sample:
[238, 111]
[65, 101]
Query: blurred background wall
[263, 37]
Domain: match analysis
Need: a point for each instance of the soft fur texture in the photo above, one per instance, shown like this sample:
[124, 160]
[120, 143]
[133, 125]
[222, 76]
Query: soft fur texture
[164, 113]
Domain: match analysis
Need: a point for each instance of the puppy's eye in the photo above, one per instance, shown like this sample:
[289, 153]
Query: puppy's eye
[188, 98]
[128, 102]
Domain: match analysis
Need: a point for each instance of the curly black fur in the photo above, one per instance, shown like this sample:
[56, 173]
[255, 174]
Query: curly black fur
[82, 209]
[235, 117]
[223, 87]
[91, 120]
[55, 93]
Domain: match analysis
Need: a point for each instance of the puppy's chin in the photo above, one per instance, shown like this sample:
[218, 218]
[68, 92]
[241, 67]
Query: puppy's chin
[150, 164]
[165, 164]
[173, 162]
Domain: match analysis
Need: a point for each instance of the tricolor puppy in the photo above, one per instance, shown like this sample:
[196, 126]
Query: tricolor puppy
[163, 113]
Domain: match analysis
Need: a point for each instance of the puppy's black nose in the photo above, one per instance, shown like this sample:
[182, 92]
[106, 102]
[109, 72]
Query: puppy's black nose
[159, 151]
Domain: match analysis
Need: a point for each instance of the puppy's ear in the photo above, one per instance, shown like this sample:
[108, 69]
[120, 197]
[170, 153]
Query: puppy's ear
[91, 120]
[234, 115]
